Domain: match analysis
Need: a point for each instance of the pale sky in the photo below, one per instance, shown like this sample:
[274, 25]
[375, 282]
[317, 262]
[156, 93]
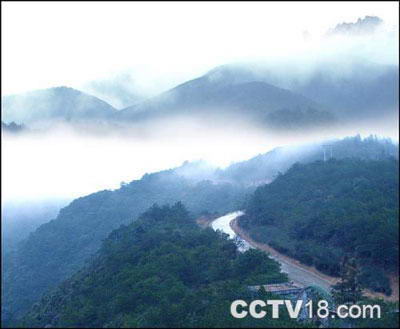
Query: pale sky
[71, 43]
[161, 45]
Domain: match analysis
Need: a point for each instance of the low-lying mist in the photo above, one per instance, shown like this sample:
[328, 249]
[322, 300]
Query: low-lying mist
[19, 218]
[68, 163]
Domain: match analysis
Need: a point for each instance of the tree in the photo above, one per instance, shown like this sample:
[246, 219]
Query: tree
[348, 290]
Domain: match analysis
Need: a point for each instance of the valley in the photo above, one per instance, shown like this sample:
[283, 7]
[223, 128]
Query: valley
[164, 164]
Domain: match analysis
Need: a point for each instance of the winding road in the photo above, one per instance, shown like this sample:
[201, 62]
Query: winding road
[298, 273]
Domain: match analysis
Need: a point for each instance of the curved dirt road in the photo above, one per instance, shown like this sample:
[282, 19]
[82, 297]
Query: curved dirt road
[297, 272]
[307, 275]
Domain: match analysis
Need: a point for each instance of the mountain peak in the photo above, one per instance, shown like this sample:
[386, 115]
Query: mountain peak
[363, 26]
[56, 103]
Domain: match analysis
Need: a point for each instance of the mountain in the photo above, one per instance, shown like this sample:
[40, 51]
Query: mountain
[18, 219]
[283, 96]
[350, 91]
[321, 211]
[60, 104]
[12, 128]
[266, 167]
[59, 248]
[360, 91]
[279, 97]
[366, 25]
[160, 271]
[222, 96]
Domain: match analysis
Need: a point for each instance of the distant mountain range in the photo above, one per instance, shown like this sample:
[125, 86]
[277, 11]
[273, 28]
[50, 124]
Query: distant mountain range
[214, 95]
[271, 97]
[366, 25]
[12, 127]
[351, 90]
[60, 104]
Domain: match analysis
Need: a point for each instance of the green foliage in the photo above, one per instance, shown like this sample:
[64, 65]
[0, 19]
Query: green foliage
[348, 290]
[321, 211]
[266, 167]
[60, 247]
[160, 271]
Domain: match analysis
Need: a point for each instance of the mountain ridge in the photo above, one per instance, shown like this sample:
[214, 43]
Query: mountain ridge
[60, 247]
[205, 96]
[52, 104]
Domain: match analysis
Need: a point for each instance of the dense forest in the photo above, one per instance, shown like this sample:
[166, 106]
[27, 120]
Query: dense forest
[161, 271]
[265, 167]
[60, 247]
[321, 211]
[281, 194]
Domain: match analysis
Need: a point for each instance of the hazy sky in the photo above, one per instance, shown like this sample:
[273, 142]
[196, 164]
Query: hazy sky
[70, 43]
[64, 165]
[156, 46]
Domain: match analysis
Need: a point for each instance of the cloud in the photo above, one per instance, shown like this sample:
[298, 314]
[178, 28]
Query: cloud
[48, 44]
[136, 49]
[120, 89]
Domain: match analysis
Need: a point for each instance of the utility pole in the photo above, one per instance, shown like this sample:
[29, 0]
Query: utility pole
[329, 147]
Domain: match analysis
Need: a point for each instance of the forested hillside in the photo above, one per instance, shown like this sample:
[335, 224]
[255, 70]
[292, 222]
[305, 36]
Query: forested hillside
[161, 271]
[321, 211]
[265, 167]
[59, 248]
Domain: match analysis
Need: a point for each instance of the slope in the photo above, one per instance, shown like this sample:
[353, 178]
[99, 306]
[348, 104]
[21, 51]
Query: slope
[321, 211]
[54, 104]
